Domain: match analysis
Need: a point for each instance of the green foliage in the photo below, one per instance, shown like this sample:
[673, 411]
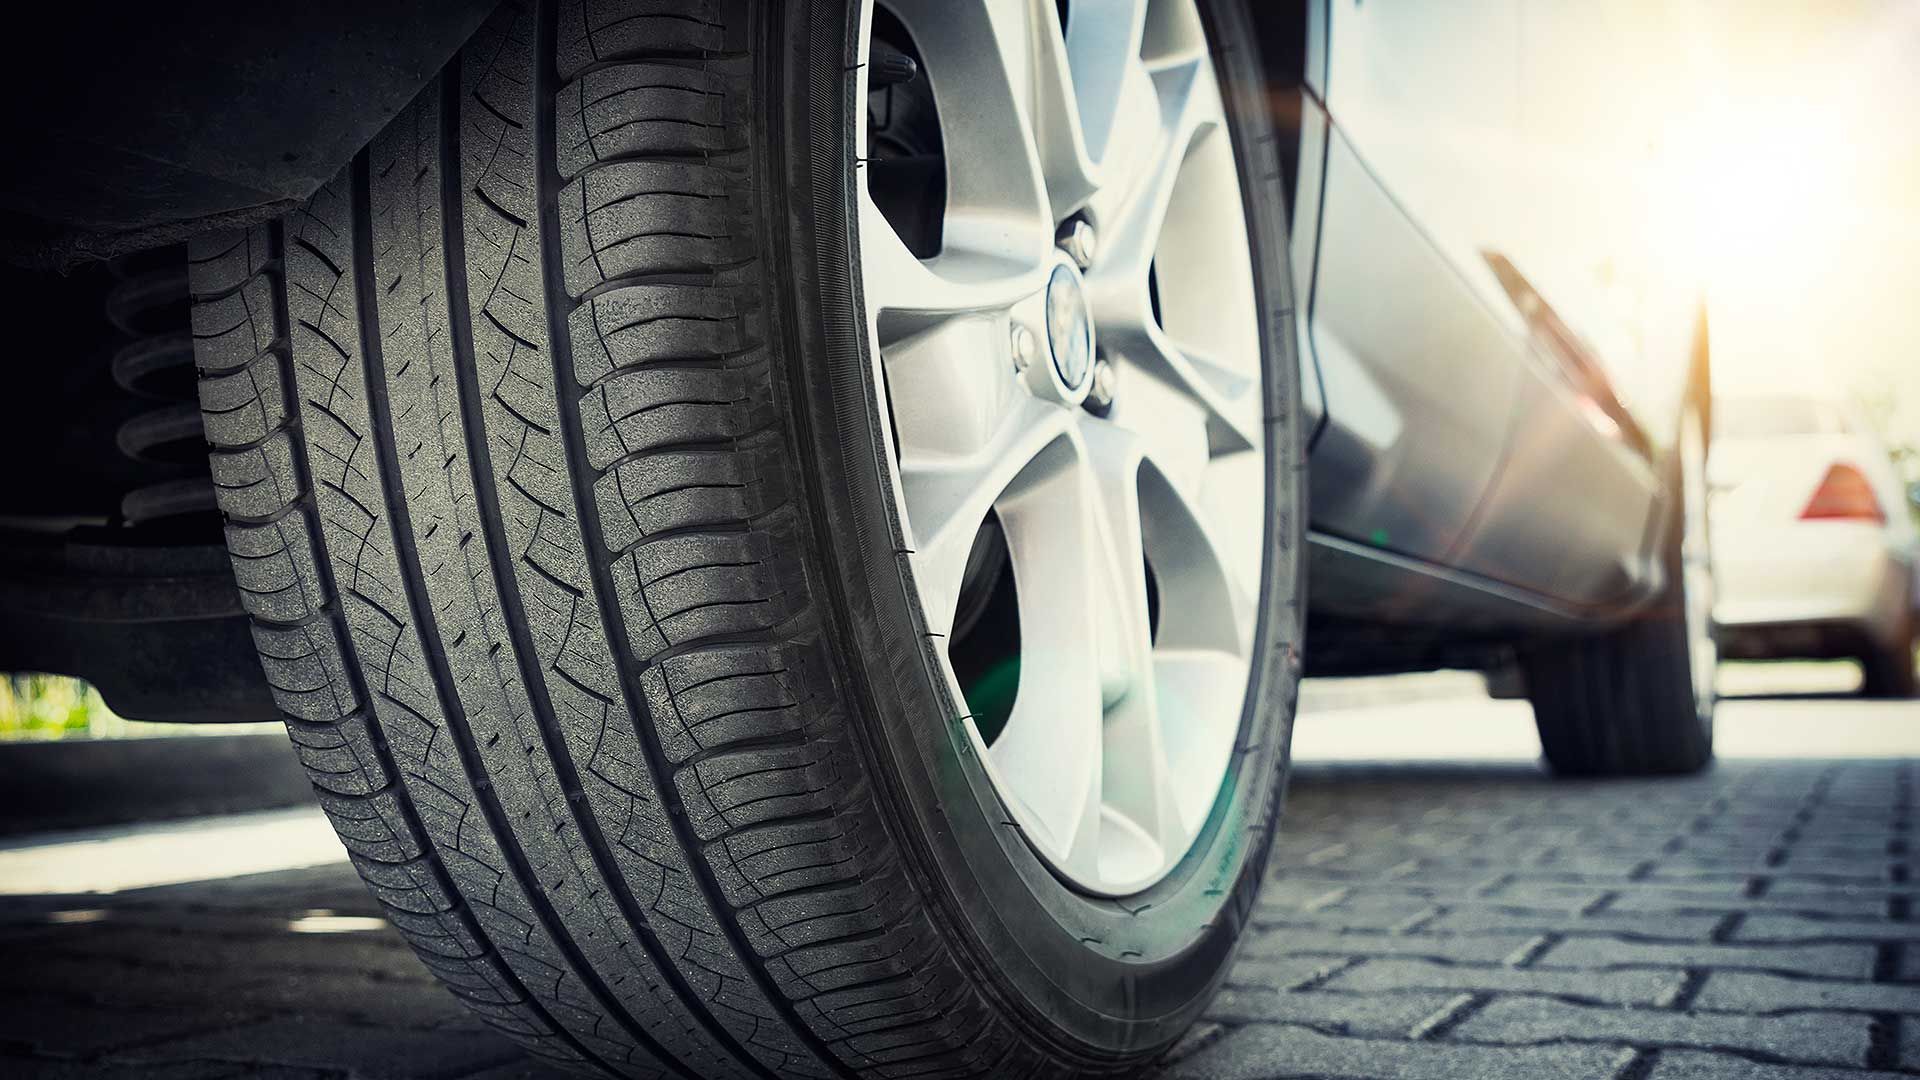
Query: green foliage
[990, 697]
[53, 707]
[34, 706]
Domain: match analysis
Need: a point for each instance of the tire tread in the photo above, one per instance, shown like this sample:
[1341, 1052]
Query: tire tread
[510, 499]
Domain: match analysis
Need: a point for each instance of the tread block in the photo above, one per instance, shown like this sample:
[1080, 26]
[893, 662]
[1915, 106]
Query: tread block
[275, 568]
[220, 262]
[627, 110]
[652, 408]
[737, 788]
[259, 483]
[687, 489]
[686, 587]
[340, 755]
[634, 218]
[245, 405]
[233, 330]
[596, 31]
[709, 698]
[810, 853]
[633, 325]
[306, 670]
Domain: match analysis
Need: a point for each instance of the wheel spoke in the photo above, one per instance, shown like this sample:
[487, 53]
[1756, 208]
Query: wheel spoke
[1218, 366]
[1140, 823]
[1194, 566]
[997, 222]
[1228, 398]
[1113, 458]
[951, 386]
[905, 293]
[948, 495]
[1103, 55]
[1173, 106]
[1049, 755]
[1200, 697]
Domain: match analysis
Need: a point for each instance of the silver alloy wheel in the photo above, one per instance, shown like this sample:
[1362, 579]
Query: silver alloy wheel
[1696, 566]
[1134, 537]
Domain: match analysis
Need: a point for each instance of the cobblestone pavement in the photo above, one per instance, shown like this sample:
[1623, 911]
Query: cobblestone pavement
[1428, 919]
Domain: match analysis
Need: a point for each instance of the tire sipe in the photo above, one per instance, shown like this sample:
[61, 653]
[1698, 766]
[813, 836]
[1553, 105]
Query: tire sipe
[557, 481]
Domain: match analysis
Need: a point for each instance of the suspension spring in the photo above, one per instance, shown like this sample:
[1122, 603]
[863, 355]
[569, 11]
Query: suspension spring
[148, 304]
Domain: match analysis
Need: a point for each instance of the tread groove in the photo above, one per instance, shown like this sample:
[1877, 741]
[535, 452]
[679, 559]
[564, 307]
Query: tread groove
[424, 618]
[487, 500]
[353, 673]
[548, 184]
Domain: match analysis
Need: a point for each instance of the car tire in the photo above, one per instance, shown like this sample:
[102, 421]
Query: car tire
[1633, 701]
[1887, 669]
[555, 473]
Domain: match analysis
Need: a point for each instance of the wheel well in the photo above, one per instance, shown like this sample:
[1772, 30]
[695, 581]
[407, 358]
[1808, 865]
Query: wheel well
[112, 563]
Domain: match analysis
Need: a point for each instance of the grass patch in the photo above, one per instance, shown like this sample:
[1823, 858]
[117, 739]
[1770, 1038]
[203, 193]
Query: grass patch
[40, 707]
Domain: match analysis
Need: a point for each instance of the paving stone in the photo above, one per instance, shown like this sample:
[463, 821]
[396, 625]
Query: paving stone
[1425, 923]
[15, 1068]
[1792, 928]
[1829, 874]
[1695, 1065]
[1354, 911]
[188, 949]
[370, 1052]
[1624, 987]
[1387, 1015]
[358, 999]
[1474, 949]
[1278, 1051]
[1838, 961]
[1812, 1038]
[1731, 896]
[75, 1029]
[1197, 1038]
[1482, 920]
[1748, 991]
[1283, 972]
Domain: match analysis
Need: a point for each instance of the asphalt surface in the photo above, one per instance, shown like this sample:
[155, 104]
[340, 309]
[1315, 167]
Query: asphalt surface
[1440, 908]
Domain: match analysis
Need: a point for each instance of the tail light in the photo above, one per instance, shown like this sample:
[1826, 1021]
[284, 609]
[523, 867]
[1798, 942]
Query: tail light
[1844, 494]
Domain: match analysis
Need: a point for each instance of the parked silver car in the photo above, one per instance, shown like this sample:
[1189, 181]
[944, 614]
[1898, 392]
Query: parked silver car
[1813, 544]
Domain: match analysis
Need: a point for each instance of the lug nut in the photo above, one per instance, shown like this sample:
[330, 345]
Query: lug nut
[1026, 347]
[1078, 241]
[1100, 389]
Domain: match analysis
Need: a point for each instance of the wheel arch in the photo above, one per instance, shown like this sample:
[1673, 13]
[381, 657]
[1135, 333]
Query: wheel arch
[192, 131]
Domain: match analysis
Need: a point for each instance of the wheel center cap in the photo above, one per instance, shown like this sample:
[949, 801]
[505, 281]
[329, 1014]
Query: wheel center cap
[1069, 327]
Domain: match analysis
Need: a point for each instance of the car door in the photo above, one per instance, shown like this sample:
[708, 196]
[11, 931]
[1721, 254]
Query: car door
[1501, 356]
[1610, 318]
[1418, 362]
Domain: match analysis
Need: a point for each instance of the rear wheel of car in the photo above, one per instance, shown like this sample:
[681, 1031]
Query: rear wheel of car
[1888, 667]
[1639, 699]
[776, 526]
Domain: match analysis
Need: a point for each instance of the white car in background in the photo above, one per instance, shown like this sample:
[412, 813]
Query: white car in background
[1813, 545]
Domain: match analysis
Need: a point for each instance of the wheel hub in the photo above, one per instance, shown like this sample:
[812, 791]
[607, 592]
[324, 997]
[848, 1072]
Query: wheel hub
[1069, 327]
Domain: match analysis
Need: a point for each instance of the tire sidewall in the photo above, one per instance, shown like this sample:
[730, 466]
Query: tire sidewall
[1102, 978]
